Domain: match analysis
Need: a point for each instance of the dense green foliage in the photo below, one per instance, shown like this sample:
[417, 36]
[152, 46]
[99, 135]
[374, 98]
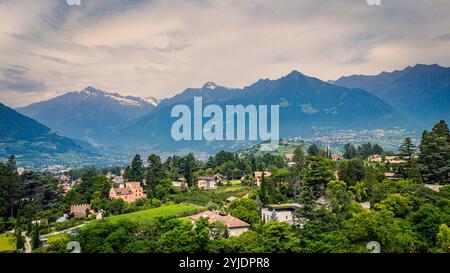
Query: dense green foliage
[343, 205]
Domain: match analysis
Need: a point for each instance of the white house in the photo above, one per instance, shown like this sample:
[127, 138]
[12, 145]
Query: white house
[279, 213]
[206, 182]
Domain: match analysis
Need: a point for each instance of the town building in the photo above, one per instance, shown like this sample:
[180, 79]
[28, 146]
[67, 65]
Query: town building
[180, 183]
[258, 176]
[234, 225]
[394, 160]
[80, 211]
[279, 213]
[375, 158]
[131, 192]
[208, 182]
[433, 187]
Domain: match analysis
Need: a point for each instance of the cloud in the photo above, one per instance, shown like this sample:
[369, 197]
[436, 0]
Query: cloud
[158, 48]
[443, 37]
[15, 78]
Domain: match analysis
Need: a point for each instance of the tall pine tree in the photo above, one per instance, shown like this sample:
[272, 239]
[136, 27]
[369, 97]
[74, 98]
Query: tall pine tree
[434, 159]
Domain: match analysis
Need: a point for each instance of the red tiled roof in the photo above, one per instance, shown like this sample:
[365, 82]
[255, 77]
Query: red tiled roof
[228, 220]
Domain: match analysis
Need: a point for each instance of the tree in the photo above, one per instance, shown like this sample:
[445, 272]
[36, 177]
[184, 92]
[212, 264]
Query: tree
[10, 186]
[307, 205]
[360, 191]
[400, 205]
[245, 209]
[313, 150]
[135, 172]
[318, 176]
[414, 172]
[154, 174]
[434, 159]
[394, 235]
[349, 151]
[218, 230]
[189, 168]
[443, 238]
[263, 190]
[35, 240]
[116, 206]
[340, 198]
[426, 221]
[407, 149]
[20, 242]
[351, 171]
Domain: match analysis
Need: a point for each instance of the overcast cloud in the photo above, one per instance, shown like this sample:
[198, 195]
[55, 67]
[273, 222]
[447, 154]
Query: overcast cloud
[159, 48]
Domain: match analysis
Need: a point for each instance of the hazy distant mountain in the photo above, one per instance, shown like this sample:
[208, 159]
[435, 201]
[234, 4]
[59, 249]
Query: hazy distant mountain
[92, 115]
[306, 105]
[421, 93]
[33, 143]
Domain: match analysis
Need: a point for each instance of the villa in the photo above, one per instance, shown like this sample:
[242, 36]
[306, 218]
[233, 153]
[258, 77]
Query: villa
[234, 225]
[131, 192]
[279, 213]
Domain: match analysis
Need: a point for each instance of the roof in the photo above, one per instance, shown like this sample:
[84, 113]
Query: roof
[284, 206]
[434, 187]
[122, 191]
[231, 198]
[205, 178]
[133, 185]
[228, 220]
[259, 174]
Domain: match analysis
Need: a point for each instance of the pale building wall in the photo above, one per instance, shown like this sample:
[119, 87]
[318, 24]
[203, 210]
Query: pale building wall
[280, 215]
[235, 232]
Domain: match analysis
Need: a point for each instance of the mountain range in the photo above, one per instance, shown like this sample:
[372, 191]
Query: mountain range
[91, 114]
[34, 144]
[413, 98]
[307, 104]
[420, 93]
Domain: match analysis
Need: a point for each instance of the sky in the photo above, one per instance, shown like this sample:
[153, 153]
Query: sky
[161, 47]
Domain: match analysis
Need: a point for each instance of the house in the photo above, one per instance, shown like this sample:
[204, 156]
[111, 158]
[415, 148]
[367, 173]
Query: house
[394, 160]
[180, 183]
[234, 225]
[118, 181]
[63, 218]
[375, 158]
[433, 187]
[365, 205]
[131, 192]
[258, 176]
[218, 177]
[279, 213]
[336, 157]
[80, 211]
[391, 176]
[20, 171]
[206, 182]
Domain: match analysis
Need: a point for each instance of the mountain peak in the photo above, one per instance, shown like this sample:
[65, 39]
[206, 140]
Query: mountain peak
[295, 74]
[210, 85]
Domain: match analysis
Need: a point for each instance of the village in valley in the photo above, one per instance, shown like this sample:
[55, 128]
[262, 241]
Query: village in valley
[233, 197]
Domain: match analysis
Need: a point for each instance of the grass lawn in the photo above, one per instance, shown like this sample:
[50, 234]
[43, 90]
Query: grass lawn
[211, 197]
[234, 182]
[7, 242]
[178, 210]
